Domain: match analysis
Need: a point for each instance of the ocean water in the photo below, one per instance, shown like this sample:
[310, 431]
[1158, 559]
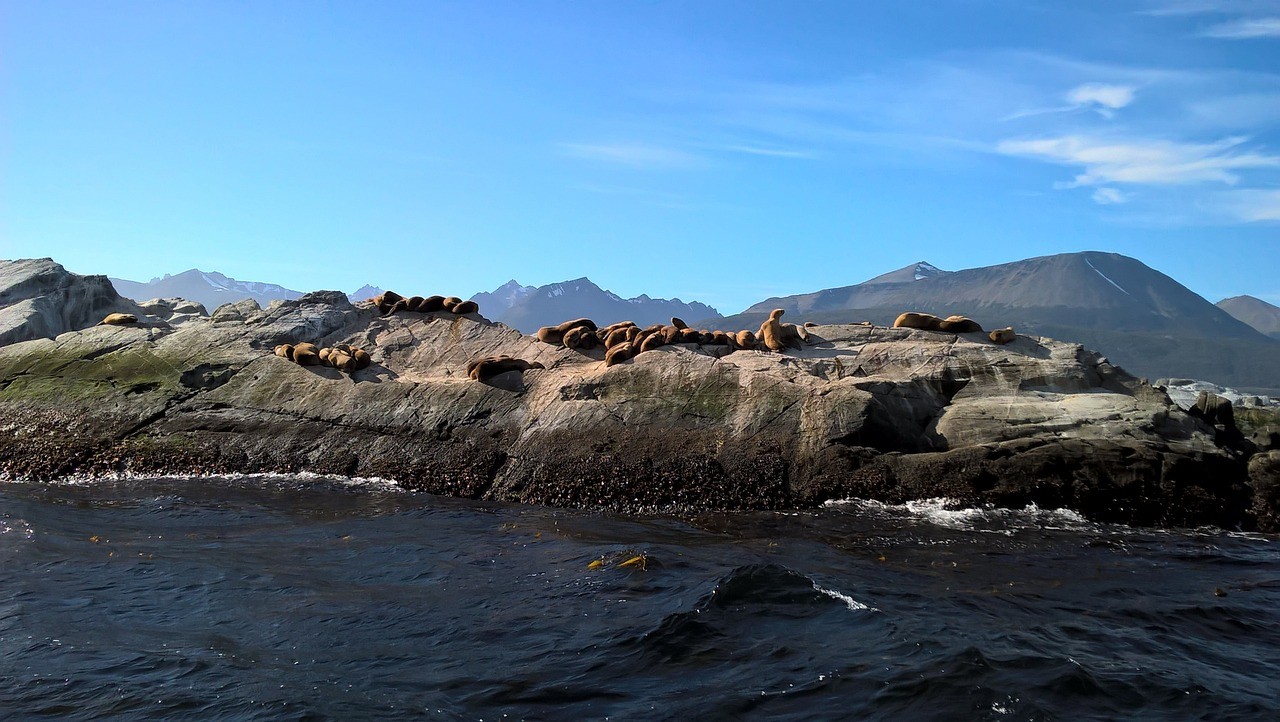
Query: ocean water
[280, 598]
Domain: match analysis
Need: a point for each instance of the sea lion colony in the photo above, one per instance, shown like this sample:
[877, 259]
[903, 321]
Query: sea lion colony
[622, 341]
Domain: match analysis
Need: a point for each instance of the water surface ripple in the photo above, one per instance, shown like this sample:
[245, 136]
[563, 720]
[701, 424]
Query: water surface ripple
[302, 598]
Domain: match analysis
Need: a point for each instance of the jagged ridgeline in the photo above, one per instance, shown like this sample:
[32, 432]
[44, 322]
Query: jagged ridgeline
[862, 411]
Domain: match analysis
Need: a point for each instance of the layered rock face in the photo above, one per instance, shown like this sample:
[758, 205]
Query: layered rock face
[40, 299]
[871, 412]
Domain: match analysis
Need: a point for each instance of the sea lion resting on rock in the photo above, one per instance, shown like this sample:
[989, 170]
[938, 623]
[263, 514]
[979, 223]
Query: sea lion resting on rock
[118, 319]
[486, 368]
[465, 307]
[306, 354]
[746, 339]
[959, 324]
[387, 300]
[923, 321]
[619, 353]
[555, 334]
[1002, 335]
[580, 337]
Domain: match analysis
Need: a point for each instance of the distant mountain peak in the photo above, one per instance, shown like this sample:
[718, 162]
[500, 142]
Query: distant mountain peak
[918, 271]
[527, 308]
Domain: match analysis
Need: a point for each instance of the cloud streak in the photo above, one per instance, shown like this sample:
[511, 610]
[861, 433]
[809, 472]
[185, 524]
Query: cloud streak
[637, 156]
[1153, 162]
[1245, 29]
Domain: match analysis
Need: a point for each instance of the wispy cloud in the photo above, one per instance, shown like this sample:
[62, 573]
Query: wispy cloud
[1245, 29]
[1251, 205]
[771, 152]
[1102, 94]
[1204, 7]
[1156, 162]
[1109, 196]
[638, 156]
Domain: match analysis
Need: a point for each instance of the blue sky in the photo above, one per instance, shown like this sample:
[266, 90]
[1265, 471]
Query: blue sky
[714, 151]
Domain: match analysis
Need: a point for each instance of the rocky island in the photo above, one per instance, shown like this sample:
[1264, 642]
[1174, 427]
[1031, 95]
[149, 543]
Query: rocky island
[889, 414]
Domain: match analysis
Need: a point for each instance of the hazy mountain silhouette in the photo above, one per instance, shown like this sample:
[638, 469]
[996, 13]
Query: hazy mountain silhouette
[1254, 311]
[209, 288]
[527, 308]
[1142, 319]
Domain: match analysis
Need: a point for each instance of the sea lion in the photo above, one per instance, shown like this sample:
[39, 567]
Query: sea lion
[414, 303]
[678, 323]
[285, 350]
[118, 319]
[746, 339]
[810, 324]
[362, 358]
[486, 368]
[451, 301]
[580, 337]
[924, 321]
[1002, 335]
[615, 326]
[324, 356]
[431, 304]
[342, 361]
[465, 307]
[706, 338]
[617, 336]
[306, 354]
[689, 335]
[721, 338]
[959, 324]
[619, 353]
[386, 300]
[649, 342]
[771, 332]
[555, 334]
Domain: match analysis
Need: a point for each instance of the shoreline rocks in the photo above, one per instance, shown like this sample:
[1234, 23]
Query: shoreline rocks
[871, 412]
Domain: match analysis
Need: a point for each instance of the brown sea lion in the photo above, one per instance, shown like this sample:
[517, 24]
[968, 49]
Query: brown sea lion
[618, 335]
[414, 303]
[118, 319]
[340, 360]
[615, 326]
[386, 300]
[959, 324]
[746, 339]
[619, 353]
[1002, 335]
[580, 337]
[555, 334]
[486, 368]
[771, 332]
[323, 355]
[431, 304]
[362, 358]
[810, 324]
[285, 350]
[678, 323]
[451, 301]
[689, 335]
[924, 321]
[306, 354]
[720, 338]
[465, 307]
[650, 342]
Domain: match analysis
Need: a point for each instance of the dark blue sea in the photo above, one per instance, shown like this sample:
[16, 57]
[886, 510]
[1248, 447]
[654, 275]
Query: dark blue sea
[294, 598]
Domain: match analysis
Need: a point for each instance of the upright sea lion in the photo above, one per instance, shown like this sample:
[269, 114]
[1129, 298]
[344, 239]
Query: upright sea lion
[118, 319]
[678, 323]
[771, 332]
[1002, 335]
[619, 353]
[959, 324]
[924, 321]
[431, 304]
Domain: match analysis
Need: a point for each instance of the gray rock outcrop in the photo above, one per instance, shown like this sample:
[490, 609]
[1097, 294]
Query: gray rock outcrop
[868, 412]
[41, 299]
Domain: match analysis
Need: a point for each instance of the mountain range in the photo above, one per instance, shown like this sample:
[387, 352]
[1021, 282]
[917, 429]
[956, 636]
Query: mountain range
[1254, 311]
[528, 308]
[1142, 319]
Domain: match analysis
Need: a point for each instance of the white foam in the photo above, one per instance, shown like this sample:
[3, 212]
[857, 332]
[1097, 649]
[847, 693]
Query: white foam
[853, 604]
[364, 482]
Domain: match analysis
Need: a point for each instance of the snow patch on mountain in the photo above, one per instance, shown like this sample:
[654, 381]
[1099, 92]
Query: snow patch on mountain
[1104, 276]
